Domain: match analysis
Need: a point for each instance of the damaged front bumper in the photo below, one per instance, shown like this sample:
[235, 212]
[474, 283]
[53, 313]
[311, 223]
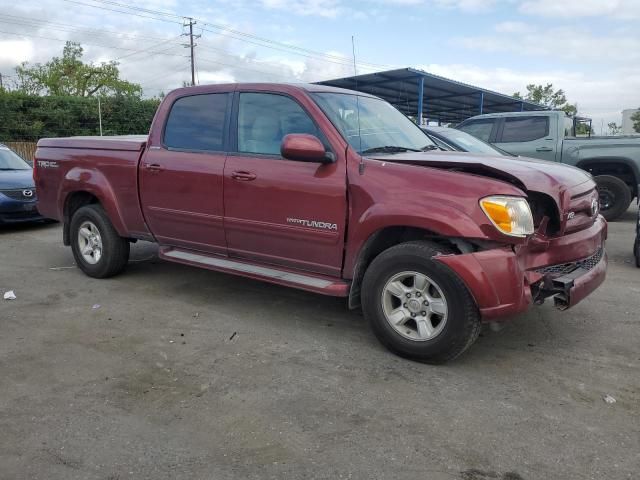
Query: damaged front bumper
[506, 281]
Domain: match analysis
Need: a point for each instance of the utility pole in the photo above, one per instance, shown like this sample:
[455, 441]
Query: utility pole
[100, 115]
[191, 46]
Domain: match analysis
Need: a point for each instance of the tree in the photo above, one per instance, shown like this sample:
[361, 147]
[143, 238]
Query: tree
[635, 118]
[69, 75]
[614, 128]
[545, 95]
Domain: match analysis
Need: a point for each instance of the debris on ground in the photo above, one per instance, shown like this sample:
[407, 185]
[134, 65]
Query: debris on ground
[233, 336]
[609, 399]
[56, 269]
[196, 315]
[96, 306]
[10, 295]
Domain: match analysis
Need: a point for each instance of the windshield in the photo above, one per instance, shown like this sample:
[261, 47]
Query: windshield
[468, 142]
[11, 161]
[370, 124]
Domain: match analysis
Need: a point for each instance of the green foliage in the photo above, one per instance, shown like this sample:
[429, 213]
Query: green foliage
[68, 75]
[614, 128]
[636, 121]
[547, 96]
[26, 117]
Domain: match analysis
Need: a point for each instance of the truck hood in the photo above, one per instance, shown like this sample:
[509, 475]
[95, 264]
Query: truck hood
[526, 173]
[545, 183]
[16, 179]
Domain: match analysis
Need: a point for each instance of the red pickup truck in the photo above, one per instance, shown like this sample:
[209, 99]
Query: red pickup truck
[335, 192]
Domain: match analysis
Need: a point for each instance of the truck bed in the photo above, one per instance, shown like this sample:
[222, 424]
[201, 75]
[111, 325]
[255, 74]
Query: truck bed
[92, 165]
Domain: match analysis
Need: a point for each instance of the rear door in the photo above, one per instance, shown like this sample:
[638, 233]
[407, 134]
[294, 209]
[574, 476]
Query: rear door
[280, 211]
[529, 136]
[181, 175]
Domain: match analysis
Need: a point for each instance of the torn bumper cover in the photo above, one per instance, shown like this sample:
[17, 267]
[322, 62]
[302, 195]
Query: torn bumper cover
[504, 281]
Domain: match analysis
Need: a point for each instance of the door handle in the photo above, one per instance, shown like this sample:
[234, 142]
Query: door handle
[544, 149]
[153, 167]
[243, 176]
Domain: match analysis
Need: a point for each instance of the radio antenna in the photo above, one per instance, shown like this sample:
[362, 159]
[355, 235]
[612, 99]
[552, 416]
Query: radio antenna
[355, 73]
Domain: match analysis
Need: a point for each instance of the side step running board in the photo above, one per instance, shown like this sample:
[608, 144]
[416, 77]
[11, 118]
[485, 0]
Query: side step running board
[314, 283]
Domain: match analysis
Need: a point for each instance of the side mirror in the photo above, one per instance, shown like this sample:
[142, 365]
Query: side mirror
[305, 148]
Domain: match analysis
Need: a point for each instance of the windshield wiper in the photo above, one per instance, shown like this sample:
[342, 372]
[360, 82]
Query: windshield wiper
[428, 148]
[390, 149]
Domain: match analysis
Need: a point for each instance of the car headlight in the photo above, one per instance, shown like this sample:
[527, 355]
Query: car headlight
[511, 215]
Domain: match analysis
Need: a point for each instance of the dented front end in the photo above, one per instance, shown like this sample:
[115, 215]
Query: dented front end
[507, 280]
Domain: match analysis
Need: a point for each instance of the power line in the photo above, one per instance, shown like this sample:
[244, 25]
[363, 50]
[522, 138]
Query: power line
[236, 34]
[22, 34]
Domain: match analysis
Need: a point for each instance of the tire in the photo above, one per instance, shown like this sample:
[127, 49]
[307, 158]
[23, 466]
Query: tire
[615, 196]
[114, 250]
[636, 251]
[455, 331]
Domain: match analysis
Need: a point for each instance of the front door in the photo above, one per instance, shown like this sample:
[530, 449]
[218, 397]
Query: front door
[280, 211]
[181, 179]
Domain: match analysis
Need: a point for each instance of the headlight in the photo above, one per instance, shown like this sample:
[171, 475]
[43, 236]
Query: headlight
[511, 215]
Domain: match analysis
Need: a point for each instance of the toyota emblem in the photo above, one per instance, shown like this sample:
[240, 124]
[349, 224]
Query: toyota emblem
[594, 207]
[27, 193]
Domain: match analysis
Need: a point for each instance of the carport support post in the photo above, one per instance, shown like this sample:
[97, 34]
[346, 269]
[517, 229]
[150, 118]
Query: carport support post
[522, 106]
[481, 105]
[420, 99]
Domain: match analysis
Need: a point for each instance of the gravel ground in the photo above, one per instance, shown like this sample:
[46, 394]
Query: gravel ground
[171, 372]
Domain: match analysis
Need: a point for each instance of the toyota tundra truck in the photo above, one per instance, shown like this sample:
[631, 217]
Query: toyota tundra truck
[335, 192]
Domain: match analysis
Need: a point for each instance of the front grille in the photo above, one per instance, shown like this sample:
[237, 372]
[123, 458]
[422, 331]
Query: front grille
[565, 268]
[19, 194]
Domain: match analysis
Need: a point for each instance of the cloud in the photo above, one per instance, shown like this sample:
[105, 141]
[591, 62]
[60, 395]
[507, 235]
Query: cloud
[568, 43]
[13, 52]
[619, 9]
[321, 8]
[466, 5]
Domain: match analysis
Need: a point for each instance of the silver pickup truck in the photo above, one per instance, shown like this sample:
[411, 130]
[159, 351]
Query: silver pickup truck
[550, 135]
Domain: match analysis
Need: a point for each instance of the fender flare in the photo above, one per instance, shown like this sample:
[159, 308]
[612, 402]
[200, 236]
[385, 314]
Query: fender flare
[92, 181]
[620, 160]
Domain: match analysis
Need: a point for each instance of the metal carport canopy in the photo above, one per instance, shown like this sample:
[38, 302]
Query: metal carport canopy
[439, 99]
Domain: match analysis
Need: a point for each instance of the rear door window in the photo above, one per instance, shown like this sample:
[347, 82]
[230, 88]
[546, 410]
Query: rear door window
[524, 129]
[479, 128]
[197, 122]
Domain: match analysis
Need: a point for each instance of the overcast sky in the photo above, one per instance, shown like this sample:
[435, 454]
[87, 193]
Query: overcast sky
[590, 48]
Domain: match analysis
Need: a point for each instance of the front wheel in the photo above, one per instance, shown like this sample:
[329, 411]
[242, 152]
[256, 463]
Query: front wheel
[97, 248]
[614, 196]
[417, 307]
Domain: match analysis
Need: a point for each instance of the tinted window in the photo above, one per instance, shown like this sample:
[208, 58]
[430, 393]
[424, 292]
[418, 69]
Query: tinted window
[197, 122]
[478, 128]
[524, 129]
[264, 119]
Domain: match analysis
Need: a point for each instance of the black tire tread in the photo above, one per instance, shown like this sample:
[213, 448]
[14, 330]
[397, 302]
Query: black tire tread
[471, 324]
[116, 248]
[620, 207]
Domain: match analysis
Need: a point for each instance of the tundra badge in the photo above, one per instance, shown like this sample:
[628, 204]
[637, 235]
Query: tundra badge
[313, 223]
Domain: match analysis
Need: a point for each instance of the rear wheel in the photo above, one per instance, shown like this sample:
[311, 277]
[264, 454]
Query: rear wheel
[417, 307]
[614, 196]
[97, 248]
[636, 251]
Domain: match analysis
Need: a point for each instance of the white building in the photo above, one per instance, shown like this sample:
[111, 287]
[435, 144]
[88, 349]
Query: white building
[627, 123]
